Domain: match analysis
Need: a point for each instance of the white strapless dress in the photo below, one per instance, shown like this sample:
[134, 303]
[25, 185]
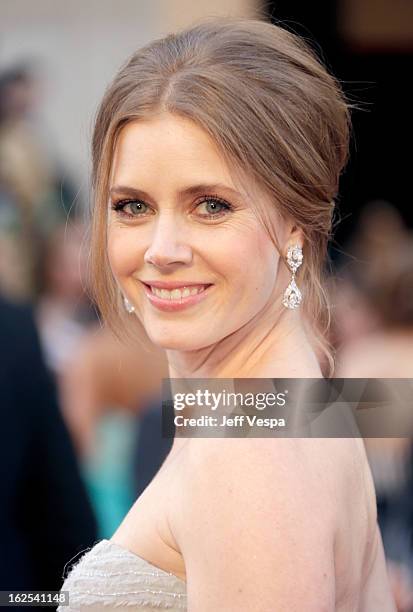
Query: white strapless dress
[109, 578]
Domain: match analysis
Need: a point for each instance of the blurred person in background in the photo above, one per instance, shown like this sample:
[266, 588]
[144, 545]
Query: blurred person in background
[109, 389]
[373, 333]
[34, 197]
[152, 448]
[373, 305]
[42, 528]
[64, 313]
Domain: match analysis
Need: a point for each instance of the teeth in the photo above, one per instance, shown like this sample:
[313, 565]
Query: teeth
[177, 294]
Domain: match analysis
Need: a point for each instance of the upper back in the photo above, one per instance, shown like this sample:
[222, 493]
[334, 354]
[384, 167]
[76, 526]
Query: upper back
[360, 569]
[338, 492]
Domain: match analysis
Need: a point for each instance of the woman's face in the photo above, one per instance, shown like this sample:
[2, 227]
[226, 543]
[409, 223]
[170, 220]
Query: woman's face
[185, 246]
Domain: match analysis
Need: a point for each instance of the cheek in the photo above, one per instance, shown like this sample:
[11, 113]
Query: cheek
[269, 259]
[123, 251]
[254, 263]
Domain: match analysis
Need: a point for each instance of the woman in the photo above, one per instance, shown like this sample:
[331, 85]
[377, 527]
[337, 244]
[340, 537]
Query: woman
[217, 154]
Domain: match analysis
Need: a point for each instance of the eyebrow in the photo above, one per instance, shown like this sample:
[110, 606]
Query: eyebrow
[133, 192]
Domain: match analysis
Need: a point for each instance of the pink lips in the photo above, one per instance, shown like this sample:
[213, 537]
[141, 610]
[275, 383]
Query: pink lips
[168, 305]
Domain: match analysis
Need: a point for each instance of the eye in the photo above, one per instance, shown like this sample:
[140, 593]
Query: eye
[137, 208]
[213, 207]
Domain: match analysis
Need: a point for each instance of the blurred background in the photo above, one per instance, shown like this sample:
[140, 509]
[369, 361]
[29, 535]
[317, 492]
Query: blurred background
[80, 429]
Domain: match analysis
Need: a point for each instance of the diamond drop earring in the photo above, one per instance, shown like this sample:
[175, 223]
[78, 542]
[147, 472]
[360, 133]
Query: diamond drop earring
[128, 306]
[292, 295]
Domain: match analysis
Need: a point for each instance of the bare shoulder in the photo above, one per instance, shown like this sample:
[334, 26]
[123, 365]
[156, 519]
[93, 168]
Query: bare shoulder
[255, 513]
[266, 464]
[289, 458]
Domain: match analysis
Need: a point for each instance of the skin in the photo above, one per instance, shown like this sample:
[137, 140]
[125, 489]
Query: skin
[296, 502]
[173, 240]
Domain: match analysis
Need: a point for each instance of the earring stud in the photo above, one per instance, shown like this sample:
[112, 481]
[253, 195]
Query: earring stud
[292, 295]
[128, 306]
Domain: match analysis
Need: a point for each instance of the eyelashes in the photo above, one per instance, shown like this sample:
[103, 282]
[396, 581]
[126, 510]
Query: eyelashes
[213, 201]
[120, 206]
[217, 208]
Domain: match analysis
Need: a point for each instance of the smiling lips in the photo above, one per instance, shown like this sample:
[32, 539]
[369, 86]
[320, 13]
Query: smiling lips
[172, 296]
[177, 294]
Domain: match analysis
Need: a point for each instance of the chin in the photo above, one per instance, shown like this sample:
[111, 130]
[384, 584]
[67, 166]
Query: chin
[184, 339]
[172, 340]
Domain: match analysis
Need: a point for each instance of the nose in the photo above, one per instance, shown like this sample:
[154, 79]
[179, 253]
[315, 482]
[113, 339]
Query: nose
[168, 245]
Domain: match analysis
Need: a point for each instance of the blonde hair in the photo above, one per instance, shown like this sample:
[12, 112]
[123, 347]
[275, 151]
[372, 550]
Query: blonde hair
[275, 113]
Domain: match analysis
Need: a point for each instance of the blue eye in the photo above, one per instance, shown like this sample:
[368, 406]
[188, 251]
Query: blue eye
[137, 207]
[215, 207]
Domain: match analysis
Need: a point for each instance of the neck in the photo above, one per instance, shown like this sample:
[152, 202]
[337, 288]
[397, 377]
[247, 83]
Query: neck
[275, 347]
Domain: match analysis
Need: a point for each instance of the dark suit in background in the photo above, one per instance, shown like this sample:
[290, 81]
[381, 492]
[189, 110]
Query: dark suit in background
[152, 449]
[45, 515]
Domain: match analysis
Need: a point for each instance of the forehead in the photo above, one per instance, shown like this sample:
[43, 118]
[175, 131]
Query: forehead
[170, 148]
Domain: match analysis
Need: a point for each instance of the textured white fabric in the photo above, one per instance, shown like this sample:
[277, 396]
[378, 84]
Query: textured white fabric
[110, 578]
